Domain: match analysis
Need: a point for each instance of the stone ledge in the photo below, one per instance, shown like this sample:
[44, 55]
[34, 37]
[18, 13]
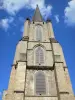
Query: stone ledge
[26, 38]
[39, 96]
[64, 92]
[53, 40]
[41, 67]
[18, 91]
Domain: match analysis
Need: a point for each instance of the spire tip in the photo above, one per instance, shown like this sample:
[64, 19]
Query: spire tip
[37, 5]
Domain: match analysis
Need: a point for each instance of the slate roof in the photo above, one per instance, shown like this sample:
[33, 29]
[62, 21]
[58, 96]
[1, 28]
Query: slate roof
[37, 15]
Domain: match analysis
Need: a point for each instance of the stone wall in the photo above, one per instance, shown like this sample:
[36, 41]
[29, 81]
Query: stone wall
[41, 98]
[22, 78]
[50, 83]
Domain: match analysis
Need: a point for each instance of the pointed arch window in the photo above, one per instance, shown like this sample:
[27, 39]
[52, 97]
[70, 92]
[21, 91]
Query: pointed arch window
[40, 83]
[39, 53]
[38, 33]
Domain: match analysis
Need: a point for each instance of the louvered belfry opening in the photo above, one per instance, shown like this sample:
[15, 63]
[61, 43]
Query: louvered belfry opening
[39, 55]
[40, 83]
[38, 33]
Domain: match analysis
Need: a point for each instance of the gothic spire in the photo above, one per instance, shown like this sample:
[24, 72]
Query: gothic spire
[37, 15]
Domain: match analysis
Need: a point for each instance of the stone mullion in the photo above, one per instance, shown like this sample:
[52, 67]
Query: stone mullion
[25, 71]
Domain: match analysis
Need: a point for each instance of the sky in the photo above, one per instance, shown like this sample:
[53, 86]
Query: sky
[12, 17]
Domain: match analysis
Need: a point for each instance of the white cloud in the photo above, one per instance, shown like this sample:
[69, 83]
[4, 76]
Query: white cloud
[21, 19]
[4, 23]
[1, 4]
[46, 11]
[11, 19]
[13, 6]
[57, 18]
[70, 13]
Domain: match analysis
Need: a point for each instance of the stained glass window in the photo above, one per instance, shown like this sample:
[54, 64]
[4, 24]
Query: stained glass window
[40, 83]
[39, 55]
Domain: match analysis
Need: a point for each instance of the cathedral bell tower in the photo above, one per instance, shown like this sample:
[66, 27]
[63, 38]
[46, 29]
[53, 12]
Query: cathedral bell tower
[39, 70]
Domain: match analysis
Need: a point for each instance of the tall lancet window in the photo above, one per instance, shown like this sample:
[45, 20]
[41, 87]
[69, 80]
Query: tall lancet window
[40, 83]
[39, 33]
[39, 53]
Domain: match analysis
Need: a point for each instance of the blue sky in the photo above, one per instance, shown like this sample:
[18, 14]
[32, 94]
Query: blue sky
[12, 17]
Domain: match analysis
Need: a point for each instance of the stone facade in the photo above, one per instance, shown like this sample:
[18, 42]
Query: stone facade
[22, 79]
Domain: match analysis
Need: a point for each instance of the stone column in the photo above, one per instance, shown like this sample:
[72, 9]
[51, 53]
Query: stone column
[9, 94]
[20, 81]
[50, 29]
[26, 28]
[61, 77]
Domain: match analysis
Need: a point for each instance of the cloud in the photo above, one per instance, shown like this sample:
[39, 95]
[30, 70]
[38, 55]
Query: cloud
[57, 18]
[4, 23]
[46, 11]
[21, 19]
[70, 13]
[1, 4]
[13, 6]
